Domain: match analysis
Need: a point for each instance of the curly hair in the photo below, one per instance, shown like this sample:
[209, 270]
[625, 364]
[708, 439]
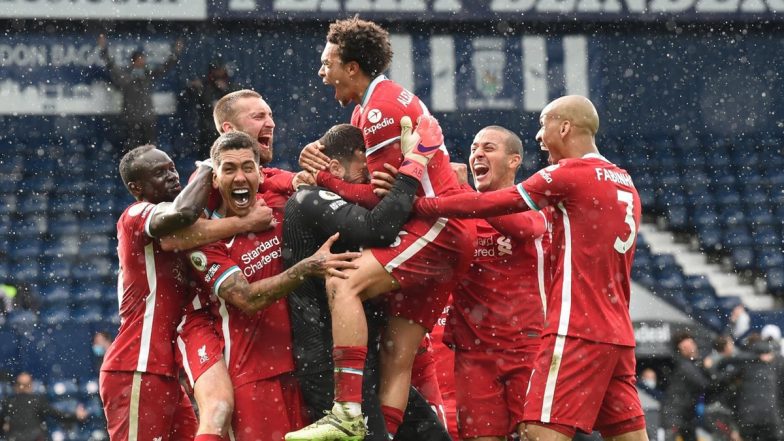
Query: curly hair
[364, 42]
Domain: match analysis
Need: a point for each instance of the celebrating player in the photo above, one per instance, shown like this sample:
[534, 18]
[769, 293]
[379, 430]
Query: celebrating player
[421, 264]
[138, 385]
[497, 316]
[313, 215]
[584, 374]
[243, 282]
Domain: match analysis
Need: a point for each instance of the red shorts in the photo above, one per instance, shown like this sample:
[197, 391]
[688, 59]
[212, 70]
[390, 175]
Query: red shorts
[198, 345]
[265, 410]
[425, 267]
[143, 407]
[491, 391]
[585, 385]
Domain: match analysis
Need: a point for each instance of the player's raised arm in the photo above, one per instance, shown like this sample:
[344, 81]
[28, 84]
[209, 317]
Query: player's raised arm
[189, 204]
[205, 231]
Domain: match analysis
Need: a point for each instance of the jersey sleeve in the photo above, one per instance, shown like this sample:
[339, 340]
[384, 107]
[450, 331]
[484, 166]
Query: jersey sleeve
[520, 226]
[361, 194]
[138, 216]
[473, 205]
[277, 181]
[358, 226]
[211, 265]
[548, 186]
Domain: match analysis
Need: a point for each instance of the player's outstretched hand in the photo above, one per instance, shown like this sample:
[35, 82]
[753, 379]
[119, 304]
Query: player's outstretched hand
[312, 159]
[382, 182]
[259, 218]
[323, 263]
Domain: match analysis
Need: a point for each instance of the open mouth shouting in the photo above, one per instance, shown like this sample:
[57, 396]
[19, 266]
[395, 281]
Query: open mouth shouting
[241, 197]
[265, 141]
[480, 170]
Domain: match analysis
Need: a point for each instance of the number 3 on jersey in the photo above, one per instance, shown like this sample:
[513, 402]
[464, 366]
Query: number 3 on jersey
[623, 246]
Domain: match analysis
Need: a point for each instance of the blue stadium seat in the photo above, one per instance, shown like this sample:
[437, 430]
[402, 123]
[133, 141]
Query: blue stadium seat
[88, 313]
[774, 280]
[61, 351]
[55, 294]
[9, 349]
[56, 269]
[770, 257]
[743, 258]
[26, 271]
[678, 218]
[64, 247]
[56, 314]
[33, 203]
[22, 321]
[88, 292]
[60, 388]
[736, 237]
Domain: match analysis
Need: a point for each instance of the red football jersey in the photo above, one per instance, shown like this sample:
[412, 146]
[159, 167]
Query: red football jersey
[256, 346]
[384, 104]
[595, 221]
[151, 289]
[498, 303]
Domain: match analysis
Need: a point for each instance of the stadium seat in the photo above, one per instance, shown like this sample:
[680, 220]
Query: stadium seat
[742, 258]
[56, 314]
[55, 294]
[88, 293]
[60, 351]
[88, 313]
[63, 388]
[9, 349]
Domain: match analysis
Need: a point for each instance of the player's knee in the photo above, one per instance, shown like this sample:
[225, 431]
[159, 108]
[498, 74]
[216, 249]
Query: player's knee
[340, 289]
[218, 412]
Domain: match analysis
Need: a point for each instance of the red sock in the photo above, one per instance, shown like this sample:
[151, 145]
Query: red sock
[393, 417]
[208, 437]
[349, 366]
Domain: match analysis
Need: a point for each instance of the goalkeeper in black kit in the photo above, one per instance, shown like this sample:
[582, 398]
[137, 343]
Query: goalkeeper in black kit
[312, 215]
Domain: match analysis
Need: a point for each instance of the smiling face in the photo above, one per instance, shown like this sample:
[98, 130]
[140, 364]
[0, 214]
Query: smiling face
[158, 178]
[335, 73]
[237, 179]
[492, 164]
[254, 117]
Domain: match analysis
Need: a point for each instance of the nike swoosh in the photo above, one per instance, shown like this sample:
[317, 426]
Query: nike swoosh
[424, 149]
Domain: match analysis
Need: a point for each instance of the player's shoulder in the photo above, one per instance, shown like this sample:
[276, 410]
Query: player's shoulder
[135, 211]
[311, 197]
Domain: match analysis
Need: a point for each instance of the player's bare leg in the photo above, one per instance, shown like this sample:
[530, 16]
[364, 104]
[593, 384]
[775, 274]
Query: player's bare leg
[486, 438]
[349, 333]
[637, 435]
[398, 349]
[214, 394]
[535, 432]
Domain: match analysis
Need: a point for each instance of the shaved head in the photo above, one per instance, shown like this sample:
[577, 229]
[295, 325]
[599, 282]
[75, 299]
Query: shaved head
[576, 109]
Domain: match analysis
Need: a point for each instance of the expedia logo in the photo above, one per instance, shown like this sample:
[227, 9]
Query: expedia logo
[386, 122]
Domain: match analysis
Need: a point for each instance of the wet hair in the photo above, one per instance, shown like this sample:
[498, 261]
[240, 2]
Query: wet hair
[513, 143]
[233, 141]
[135, 55]
[363, 42]
[129, 170]
[224, 109]
[342, 141]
